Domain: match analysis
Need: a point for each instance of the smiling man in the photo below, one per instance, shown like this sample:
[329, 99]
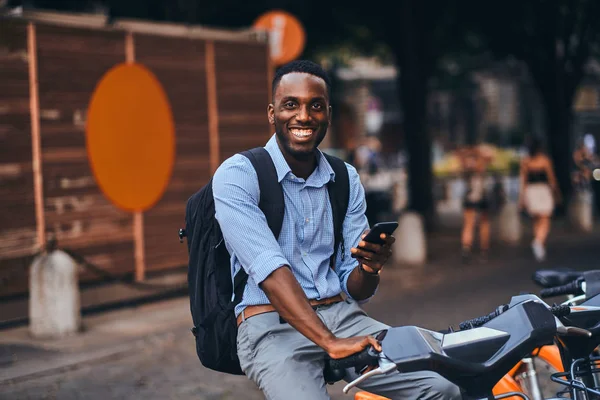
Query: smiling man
[292, 313]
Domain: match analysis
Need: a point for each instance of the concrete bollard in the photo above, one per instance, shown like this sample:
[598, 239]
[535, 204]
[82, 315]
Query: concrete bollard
[581, 211]
[54, 304]
[509, 223]
[411, 243]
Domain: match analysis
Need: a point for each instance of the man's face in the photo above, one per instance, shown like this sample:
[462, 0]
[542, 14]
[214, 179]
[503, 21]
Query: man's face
[300, 114]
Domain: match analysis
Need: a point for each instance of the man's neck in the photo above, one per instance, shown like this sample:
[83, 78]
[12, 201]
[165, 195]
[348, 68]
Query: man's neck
[302, 167]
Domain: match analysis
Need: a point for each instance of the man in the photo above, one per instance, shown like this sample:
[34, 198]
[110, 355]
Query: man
[283, 350]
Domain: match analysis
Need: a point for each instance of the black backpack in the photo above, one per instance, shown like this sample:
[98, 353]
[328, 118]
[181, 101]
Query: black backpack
[209, 270]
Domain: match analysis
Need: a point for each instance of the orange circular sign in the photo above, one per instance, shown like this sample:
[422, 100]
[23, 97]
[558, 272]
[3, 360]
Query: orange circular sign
[130, 137]
[286, 35]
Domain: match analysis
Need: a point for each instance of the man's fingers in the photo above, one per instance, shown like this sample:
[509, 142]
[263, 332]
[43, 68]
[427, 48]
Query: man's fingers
[375, 266]
[373, 342]
[386, 248]
[375, 263]
[382, 255]
[389, 239]
[387, 252]
[369, 246]
[356, 252]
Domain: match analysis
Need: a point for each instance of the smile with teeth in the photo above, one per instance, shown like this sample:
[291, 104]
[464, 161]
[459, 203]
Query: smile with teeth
[301, 133]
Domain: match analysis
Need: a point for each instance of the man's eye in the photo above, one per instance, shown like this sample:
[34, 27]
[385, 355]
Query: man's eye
[289, 104]
[318, 106]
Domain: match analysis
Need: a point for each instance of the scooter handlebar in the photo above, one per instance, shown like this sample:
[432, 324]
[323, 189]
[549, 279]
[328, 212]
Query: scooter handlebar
[479, 321]
[558, 311]
[573, 288]
[368, 356]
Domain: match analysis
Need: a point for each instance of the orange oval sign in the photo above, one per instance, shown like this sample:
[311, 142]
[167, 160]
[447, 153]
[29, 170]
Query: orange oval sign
[286, 35]
[130, 137]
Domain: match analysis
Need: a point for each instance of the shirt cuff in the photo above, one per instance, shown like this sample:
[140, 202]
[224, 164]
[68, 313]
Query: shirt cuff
[264, 265]
[345, 289]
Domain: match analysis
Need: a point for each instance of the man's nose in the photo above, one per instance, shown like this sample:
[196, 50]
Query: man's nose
[303, 114]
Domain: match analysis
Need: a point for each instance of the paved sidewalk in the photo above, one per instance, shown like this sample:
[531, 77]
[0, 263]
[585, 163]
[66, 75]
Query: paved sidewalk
[104, 336]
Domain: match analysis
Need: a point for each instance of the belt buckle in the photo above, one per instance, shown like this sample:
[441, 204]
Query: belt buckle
[327, 303]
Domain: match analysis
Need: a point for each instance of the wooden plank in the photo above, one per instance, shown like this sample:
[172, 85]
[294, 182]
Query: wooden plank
[270, 75]
[138, 238]
[100, 23]
[138, 216]
[180, 67]
[213, 108]
[71, 63]
[129, 48]
[35, 136]
[242, 98]
[18, 231]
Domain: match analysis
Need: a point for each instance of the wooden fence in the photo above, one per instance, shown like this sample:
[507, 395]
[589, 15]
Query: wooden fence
[218, 85]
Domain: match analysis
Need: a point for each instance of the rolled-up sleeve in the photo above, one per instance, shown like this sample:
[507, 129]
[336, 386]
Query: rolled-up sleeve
[355, 224]
[244, 225]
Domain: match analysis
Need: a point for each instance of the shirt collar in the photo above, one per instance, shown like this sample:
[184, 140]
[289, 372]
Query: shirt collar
[322, 174]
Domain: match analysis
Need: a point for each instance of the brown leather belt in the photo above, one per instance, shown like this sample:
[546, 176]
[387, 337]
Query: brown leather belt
[251, 311]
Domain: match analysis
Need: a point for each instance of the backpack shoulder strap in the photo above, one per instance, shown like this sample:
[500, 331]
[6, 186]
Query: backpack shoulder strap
[271, 193]
[271, 203]
[339, 196]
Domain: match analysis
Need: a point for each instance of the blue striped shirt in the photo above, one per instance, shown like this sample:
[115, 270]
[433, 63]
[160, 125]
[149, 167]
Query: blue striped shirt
[306, 239]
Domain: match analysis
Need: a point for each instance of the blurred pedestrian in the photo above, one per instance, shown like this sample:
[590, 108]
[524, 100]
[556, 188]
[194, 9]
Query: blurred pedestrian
[538, 193]
[585, 163]
[367, 157]
[474, 160]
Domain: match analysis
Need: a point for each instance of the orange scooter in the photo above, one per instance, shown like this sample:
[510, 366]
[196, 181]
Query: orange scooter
[522, 378]
[525, 376]
[545, 361]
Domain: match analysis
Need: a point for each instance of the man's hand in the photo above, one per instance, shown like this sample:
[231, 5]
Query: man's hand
[340, 348]
[373, 256]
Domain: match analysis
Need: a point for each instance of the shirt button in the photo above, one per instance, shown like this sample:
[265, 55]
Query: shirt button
[307, 219]
[304, 254]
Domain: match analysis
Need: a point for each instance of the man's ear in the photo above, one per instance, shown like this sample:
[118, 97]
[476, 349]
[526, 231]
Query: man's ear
[271, 114]
[330, 115]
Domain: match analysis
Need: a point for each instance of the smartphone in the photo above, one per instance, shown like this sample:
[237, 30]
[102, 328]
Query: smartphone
[381, 227]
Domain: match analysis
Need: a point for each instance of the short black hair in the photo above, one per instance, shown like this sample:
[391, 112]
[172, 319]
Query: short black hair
[302, 66]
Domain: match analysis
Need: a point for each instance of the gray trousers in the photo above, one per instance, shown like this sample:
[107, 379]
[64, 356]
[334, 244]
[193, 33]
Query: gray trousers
[287, 366]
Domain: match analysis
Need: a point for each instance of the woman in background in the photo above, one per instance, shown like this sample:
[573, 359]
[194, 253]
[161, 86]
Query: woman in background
[474, 161]
[537, 195]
